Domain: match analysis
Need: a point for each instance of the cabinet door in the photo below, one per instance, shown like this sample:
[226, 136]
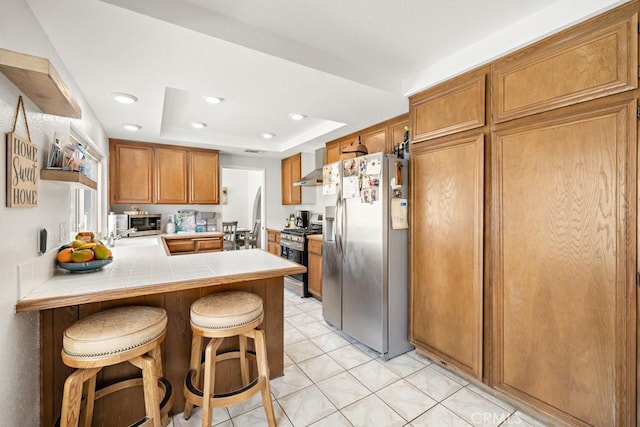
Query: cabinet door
[315, 268]
[396, 133]
[176, 246]
[453, 106]
[291, 172]
[333, 151]
[130, 174]
[446, 294]
[170, 175]
[564, 287]
[273, 242]
[581, 66]
[375, 140]
[348, 144]
[210, 244]
[203, 177]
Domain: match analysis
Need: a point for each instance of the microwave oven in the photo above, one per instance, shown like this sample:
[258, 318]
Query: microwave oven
[145, 225]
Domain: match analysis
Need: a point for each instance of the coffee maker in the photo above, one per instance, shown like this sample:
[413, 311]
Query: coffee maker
[302, 218]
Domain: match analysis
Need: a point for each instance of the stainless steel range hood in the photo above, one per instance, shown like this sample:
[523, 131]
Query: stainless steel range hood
[315, 176]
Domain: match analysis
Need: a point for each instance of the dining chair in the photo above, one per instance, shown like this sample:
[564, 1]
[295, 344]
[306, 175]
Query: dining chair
[252, 239]
[229, 230]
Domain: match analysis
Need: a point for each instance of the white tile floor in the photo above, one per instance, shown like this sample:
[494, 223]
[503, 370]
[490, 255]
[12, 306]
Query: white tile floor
[332, 381]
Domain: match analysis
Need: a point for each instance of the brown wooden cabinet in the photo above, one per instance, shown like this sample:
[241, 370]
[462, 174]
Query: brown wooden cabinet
[347, 144]
[170, 175]
[155, 173]
[333, 151]
[562, 71]
[130, 173]
[454, 106]
[446, 293]
[203, 177]
[381, 137]
[395, 133]
[314, 249]
[552, 264]
[291, 172]
[375, 140]
[191, 245]
[564, 297]
[273, 241]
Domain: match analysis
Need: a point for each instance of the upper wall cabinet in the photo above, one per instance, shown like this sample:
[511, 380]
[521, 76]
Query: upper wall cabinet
[130, 173]
[203, 177]
[291, 172]
[37, 79]
[333, 151]
[170, 175]
[451, 107]
[155, 173]
[381, 137]
[579, 65]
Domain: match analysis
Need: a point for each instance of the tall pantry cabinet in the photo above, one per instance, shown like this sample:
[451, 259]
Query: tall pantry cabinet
[558, 241]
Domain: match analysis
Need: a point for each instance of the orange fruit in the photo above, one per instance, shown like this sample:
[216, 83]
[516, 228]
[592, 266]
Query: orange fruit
[65, 255]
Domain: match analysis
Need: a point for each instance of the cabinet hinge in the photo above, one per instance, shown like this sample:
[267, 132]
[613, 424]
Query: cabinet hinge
[638, 112]
[638, 279]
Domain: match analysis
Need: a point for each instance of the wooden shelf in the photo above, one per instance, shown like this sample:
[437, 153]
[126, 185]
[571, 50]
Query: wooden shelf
[38, 80]
[68, 177]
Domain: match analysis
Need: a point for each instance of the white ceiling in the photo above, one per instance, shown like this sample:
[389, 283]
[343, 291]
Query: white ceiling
[344, 64]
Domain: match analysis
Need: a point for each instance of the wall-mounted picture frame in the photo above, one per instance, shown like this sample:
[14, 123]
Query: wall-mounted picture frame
[55, 158]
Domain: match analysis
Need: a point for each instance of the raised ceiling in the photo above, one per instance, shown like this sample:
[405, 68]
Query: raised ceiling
[344, 64]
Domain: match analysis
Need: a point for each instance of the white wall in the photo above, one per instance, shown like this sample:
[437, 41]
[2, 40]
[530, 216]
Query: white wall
[275, 212]
[241, 190]
[19, 333]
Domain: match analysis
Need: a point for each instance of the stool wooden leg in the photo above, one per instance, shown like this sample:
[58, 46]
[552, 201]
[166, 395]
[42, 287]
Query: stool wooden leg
[72, 396]
[209, 380]
[150, 385]
[90, 392]
[194, 365]
[244, 363]
[263, 371]
[157, 356]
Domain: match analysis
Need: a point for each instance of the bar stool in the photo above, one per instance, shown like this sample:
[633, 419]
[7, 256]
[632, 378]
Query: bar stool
[132, 334]
[219, 316]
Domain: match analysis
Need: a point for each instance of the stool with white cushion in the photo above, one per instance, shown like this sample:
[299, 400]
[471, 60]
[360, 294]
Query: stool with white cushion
[132, 334]
[219, 316]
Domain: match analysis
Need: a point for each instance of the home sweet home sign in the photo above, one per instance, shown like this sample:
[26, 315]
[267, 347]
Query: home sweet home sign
[22, 167]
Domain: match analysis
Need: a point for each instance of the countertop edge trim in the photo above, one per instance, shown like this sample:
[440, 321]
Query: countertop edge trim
[108, 295]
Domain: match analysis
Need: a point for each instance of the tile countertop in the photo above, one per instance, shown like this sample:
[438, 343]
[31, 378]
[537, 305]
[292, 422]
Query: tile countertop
[141, 267]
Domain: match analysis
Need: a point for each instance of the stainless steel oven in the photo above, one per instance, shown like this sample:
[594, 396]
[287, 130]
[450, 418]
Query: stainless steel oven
[293, 246]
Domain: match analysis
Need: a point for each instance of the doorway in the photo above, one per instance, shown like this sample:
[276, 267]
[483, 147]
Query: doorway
[242, 198]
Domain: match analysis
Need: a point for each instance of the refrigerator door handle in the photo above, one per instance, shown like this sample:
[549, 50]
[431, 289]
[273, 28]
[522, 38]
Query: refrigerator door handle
[338, 228]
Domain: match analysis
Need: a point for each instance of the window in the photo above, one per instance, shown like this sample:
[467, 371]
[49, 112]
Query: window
[84, 204]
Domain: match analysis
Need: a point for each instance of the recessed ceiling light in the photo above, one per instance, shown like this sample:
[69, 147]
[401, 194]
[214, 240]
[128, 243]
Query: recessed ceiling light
[213, 99]
[198, 125]
[132, 127]
[267, 135]
[297, 116]
[124, 98]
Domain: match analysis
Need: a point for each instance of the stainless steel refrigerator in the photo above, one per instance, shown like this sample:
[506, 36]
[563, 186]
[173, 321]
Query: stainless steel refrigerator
[364, 283]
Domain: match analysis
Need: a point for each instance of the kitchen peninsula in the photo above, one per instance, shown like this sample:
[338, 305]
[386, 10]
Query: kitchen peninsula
[143, 273]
